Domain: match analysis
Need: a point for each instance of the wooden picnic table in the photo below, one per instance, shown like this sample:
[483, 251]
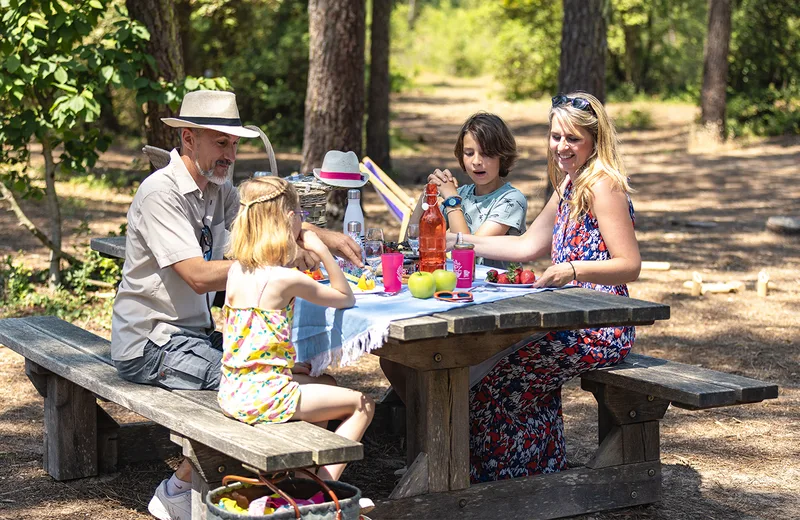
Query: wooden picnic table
[440, 348]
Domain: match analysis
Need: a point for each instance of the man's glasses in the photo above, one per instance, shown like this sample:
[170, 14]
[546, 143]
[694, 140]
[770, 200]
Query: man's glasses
[578, 102]
[206, 242]
[303, 215]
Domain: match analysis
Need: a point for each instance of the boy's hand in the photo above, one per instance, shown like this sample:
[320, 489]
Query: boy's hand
[448, 186]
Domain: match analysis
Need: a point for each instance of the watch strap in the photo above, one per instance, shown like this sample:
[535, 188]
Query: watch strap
[451, 202]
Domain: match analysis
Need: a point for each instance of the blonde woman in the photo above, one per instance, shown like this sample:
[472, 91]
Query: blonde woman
[257, 383]
[587, 230]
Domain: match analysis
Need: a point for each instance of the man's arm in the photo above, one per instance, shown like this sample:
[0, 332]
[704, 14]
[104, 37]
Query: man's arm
[203, 276]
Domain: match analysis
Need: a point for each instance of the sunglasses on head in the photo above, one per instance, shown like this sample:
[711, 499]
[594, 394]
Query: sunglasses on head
[206, 242]
[453, 296]
[577, 102]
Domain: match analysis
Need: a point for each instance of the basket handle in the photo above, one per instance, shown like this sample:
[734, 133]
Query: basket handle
[273, 164]
[326, 488]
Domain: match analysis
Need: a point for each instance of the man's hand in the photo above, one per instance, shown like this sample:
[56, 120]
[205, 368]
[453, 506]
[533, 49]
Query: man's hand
[338, 243]
[305, 260]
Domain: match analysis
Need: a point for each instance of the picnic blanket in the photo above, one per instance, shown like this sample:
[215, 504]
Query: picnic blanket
[325, 336]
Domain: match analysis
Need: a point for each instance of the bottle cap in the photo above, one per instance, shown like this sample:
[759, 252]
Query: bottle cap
[460, 244]
[353, 194]
[354, 227]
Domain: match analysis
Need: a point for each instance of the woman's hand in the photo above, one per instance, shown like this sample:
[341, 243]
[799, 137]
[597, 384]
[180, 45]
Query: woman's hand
[301, 368]
[448, 186]
[557, 275]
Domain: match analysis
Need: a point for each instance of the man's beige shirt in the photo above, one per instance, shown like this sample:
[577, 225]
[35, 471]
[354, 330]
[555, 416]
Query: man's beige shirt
[164, 224]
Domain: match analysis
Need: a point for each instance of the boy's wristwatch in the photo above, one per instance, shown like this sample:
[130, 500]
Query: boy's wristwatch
[452, 202]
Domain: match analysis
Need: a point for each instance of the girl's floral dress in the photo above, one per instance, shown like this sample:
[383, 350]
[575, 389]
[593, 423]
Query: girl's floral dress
[516, 425]
[258, 355]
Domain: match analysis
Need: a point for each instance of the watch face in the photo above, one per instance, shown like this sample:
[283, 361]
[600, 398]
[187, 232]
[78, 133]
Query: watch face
[452, 201]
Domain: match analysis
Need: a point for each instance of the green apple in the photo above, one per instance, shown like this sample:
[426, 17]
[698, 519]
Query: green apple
[422, 285]
[445, 280]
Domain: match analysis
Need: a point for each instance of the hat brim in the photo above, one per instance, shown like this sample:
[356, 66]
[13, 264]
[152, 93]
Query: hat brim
[339, 182]
[238, 131]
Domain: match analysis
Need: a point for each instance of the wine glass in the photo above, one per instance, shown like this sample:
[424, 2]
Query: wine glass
[413, 238]
[373, 249]
[374, 234]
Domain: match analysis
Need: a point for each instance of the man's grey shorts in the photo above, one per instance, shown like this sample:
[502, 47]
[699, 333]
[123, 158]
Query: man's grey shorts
[186, 362]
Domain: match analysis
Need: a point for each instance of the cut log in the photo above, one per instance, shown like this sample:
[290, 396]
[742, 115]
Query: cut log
[655, 266]
[784, 225]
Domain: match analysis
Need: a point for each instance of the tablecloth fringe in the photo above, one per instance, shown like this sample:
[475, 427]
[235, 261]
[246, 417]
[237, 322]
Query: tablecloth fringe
[367, 341]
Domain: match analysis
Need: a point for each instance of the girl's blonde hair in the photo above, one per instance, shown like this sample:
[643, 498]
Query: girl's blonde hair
[604, 161]
[263, 232]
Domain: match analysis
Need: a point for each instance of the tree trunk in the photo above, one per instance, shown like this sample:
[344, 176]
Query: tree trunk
[160, 18]
[715, 68]
[412, 13]
[583, 48]
[583, 52]
[54, 211]
[334, 109]
[379, 86]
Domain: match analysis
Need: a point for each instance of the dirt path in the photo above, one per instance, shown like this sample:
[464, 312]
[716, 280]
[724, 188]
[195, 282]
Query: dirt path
[701, 212]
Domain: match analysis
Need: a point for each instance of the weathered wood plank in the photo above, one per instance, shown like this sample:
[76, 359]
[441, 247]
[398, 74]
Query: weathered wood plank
[672, 387]
[555, 314]
[255, 447]
[437, 425]
[640, 442]
[414, 481]
[76, 337]
[747, 390]
[641, 311]
[37, 376]
[474, 318]
[557, 495]
[326, 447]
[596, 311]
[417, 328]
[70, 430]
[111, 247]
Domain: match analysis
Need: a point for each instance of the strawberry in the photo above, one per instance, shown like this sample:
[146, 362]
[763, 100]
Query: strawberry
[491, 276]
[503, 278]
[527, 276]
[514, 272]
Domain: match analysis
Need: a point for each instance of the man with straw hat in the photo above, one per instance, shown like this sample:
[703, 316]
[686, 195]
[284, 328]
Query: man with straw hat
[162, 331]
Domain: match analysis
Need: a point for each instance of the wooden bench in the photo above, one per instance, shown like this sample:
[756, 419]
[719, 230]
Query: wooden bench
[625, 470]
[71, 368]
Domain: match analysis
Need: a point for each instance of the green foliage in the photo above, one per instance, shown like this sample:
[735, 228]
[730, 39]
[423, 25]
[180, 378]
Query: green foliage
[261, 46]
[634, 119]
[453, 38]
[15, 281]
[771, 113]
[94, 268]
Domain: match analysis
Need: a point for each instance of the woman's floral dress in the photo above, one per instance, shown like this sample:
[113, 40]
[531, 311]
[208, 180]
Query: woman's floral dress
[516, 426]
[257, 358]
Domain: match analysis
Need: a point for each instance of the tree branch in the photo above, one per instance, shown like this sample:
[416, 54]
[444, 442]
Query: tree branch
[24, 221]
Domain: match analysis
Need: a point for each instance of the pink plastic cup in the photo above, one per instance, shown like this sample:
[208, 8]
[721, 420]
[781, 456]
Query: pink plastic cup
[464, 267]
[392, 264]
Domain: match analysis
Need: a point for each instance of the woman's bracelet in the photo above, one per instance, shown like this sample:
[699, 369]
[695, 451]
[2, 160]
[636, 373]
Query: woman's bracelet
[574, 273]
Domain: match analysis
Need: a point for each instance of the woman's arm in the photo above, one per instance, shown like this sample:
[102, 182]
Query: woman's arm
[610, 208]
[533, 244]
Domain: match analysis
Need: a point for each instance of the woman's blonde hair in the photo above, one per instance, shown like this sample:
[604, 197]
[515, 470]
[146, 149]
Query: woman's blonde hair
[604, 161]
[263, 232]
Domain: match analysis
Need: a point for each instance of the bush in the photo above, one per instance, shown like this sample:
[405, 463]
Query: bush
[769, 113]
[527, 61]
[634, 120]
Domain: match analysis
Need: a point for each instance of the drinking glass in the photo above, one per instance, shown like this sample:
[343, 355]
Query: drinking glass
[413, 238]
[374, 234]
[373, 249]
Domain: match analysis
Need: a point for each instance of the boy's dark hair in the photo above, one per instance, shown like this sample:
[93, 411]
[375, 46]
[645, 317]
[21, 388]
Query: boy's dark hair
[494, 138]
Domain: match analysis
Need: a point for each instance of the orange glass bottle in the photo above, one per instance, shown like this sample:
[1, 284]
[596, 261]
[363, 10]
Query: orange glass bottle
[432, 239]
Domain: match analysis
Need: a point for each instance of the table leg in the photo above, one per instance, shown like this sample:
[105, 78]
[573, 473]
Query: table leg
[437, 424]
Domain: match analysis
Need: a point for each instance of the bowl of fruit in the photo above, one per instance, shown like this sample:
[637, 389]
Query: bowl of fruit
[514, 277]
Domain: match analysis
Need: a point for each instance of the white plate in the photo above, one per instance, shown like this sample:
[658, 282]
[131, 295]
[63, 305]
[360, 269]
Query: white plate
[358, 292]
[511, 285]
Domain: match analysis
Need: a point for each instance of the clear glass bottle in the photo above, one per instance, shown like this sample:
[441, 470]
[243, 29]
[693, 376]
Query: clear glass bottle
[432, 233]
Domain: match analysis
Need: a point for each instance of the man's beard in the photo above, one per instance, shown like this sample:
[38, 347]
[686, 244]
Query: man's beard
[209, 174]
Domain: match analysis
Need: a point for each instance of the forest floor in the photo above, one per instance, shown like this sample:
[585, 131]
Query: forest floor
[702, 211]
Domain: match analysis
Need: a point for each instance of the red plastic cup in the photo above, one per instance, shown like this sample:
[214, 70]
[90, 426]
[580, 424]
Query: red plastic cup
[464, 267]
[392, 264]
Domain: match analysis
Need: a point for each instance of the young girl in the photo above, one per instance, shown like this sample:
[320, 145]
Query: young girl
[257, 384]
[486, 150]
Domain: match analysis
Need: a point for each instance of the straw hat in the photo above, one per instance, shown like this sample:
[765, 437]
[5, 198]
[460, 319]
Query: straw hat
[212, 109]
[340, 169]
